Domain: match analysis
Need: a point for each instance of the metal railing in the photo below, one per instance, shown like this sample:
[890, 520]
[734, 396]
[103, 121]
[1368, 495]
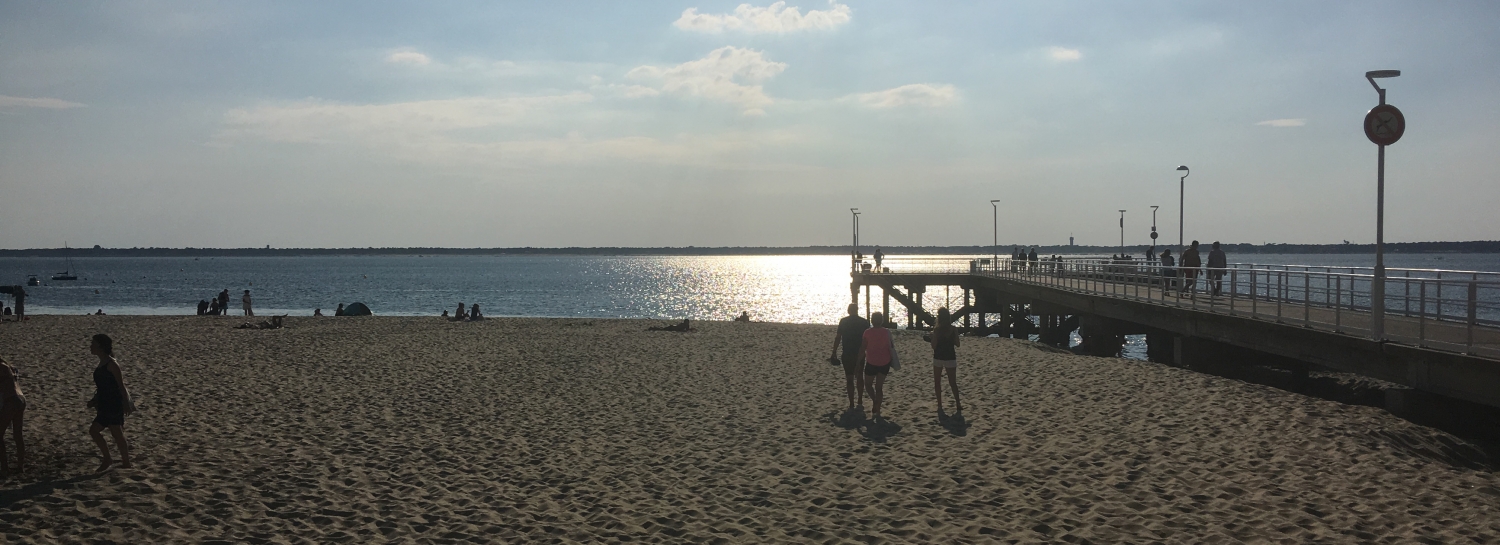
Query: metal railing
[1445, 309]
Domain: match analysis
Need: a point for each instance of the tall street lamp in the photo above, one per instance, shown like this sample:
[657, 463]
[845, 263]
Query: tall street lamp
[1122, 234]
[1384, 125]
[854, 254]
[1151, 255]
[1181, 198]
[996, 209]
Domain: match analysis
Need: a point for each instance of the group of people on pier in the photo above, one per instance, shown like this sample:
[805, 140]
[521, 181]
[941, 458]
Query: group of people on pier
[1181, 273]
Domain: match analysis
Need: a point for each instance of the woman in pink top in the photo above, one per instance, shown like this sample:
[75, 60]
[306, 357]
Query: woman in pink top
[875, 351]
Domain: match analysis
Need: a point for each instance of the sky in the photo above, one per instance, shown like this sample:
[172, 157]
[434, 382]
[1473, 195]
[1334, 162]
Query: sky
[704, 123]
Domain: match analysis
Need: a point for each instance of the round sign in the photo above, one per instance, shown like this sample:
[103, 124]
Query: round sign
[1153, 235]
[1384, 125]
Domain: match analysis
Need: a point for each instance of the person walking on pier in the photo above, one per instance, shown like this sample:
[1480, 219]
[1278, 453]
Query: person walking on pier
[851, 332]
[1191, 262]
[1168, 269]
[1217, 262]
[879, 257]
[944, 341]
[1031, 257]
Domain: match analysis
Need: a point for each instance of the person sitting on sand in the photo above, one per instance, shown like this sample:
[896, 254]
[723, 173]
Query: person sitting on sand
[317, 312]
[460, 314]
[474, 314]
[339, 311]
[875, 350]
[445, 313]
[850, 334]
[99, 312]
[12, 411]
[944, 341]
[109, 402]
[743, 317]
[273, 323]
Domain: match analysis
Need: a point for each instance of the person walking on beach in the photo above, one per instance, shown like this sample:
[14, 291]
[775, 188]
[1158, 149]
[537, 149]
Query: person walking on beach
[223, 302]
[108, 402]
[12, 412]
[1191, 262]
[850, 335]
[245, 303]
[875, 350]
[1217, 262]
[944, 341]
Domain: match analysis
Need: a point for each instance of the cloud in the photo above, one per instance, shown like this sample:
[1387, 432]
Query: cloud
[408, 57]
[1298, 122]
[1063, 54]
[326, 121]
[728, 74]
[916, 94]
[49, 103]
[773, 19]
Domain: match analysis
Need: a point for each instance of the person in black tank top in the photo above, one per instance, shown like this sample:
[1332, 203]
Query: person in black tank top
[944, 341]
[108, 402]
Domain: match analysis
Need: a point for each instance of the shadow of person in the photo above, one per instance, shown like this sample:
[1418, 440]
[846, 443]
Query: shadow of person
[849, 419]
[878, 430]
[42, 488]
[955, 423]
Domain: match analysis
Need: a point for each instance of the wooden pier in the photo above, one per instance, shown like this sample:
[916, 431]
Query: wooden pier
[1442, 328]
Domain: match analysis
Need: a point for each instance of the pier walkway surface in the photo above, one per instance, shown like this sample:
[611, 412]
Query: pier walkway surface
[1441, 327]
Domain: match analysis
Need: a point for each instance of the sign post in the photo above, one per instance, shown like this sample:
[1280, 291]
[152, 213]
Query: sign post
[1384, 125]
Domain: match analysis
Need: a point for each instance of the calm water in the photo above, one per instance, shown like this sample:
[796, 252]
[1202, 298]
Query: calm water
[802, 289]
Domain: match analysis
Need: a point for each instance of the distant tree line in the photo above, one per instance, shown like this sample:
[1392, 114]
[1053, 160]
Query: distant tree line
[1473, 247]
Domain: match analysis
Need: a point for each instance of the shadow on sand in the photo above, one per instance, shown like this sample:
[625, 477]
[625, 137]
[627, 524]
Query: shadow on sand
[955, 423]
[43, 488]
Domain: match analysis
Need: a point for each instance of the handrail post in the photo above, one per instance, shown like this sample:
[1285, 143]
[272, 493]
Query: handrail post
[1280, 281]
[1338, 302]
[1422, 314]
[1254, 294]
[1233, 287]
[1473, 313]
[1306, 299]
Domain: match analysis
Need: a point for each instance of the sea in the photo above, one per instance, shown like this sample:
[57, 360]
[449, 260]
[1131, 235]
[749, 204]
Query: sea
[797, 289]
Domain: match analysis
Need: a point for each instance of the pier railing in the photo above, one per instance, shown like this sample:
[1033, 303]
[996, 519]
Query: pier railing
[1445, 309]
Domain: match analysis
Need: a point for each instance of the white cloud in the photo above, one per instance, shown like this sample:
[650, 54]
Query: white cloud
[1298, 122]
[727, 74]
[325, 121]
[49, 103]
[1063, 54]
[408, 57]
[773, 19]
[916, 94]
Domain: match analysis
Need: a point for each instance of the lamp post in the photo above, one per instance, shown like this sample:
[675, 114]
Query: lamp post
[854, 255]
[1384, 125]
[1150, 255]
[1122, 234]
[995, 261]
[1181, 199]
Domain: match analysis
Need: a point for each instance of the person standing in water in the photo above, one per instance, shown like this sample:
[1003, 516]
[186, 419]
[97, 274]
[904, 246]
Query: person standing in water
[108, 402]
[944, 341]
[875, 350]
[12, 411]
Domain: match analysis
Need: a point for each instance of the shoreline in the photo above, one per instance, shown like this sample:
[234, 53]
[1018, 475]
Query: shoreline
[590, 429]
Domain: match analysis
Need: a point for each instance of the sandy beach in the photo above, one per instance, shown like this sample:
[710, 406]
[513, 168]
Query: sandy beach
[419, 430]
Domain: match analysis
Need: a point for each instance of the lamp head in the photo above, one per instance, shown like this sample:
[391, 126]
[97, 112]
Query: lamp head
[1382, 74]
[1182, 167]
[994, 200]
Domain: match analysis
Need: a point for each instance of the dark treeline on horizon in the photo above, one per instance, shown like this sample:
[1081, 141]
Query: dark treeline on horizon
[1486, 246]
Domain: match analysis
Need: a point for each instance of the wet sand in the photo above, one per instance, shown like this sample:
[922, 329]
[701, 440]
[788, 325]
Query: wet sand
[417, 429]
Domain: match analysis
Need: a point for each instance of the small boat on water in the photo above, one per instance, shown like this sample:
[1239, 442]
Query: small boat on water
[67, 274]
[32, 280]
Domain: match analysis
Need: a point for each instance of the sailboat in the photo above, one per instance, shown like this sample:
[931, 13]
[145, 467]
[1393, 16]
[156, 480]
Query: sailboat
[68, 274]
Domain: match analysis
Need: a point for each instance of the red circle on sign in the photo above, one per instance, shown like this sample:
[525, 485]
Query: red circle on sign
[1384, 125]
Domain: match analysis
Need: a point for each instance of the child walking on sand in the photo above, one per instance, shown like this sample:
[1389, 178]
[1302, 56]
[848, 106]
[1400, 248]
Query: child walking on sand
[944, 341]
[108, 402]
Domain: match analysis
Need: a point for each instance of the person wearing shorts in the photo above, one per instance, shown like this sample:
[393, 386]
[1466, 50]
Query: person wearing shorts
[875, 351]
[944, 341]
[850, 334]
